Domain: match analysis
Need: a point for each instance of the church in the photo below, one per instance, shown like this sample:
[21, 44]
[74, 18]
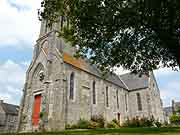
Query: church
[64, 89]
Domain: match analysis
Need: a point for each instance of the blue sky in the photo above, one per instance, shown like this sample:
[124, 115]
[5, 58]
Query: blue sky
[19, 29]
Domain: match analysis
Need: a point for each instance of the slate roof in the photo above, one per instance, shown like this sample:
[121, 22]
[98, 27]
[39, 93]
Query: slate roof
[168, 110]
[111, 77]
[10, 109]
[92, 69]
[177, 104]
[127, 81]
[134, 81]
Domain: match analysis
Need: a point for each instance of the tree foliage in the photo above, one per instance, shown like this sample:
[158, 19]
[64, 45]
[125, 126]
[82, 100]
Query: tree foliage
[139, 35]
[175, 119]
[178, 110]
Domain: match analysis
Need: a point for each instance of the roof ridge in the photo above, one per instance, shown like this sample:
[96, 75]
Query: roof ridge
[10, 108]
[123, 81]
[126, 73]
[11, 104]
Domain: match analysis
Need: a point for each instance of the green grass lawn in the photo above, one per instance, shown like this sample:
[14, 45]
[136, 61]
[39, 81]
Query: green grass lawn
[122, 131]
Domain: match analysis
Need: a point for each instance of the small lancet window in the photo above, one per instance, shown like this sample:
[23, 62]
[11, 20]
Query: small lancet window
[62, 21]
[126, 102]
[107, 97]
[139, 102]
[71, 95]
[94, 92]
[117, 98]
[46, 27]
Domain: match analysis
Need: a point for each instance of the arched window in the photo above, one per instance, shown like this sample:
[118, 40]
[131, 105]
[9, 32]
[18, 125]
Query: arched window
[71, 95]
[139, 102]
[94, 92]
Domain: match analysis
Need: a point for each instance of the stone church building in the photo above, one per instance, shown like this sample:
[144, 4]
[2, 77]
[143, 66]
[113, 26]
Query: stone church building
[8, 117]
[64, 89]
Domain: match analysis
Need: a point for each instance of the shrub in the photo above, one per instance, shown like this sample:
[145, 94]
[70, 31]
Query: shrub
[74, 126]
[178, 110]
[83, 124]
[67, 126]
[139, 122]
[175, 119]
[95, 122]
[147, 122]
[166, 123]
[115, 121]
[93, 125]
[158, 124]
[134, 122]
[113, 124]
[41, 114]
[99, 119]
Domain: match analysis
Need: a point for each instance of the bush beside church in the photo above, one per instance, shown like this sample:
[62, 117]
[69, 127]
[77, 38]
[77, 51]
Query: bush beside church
[99, 122]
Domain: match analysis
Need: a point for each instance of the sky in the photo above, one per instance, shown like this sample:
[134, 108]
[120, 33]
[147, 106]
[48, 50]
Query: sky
[19, 30]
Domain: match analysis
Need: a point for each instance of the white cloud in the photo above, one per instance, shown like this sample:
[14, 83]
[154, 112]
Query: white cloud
[12, 76]
[170, 91]
[6, 97]
[11, 73]
[26, 63]
[164, 72]
[22, 3]
[169, 84]
[19, 28]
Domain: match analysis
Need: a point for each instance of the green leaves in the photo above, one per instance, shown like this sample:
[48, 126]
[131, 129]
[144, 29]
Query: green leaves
[138, 35]
[175, 119]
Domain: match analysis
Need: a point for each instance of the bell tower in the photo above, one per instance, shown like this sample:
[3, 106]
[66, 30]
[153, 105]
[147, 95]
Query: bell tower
[46, 96]
[56, 42]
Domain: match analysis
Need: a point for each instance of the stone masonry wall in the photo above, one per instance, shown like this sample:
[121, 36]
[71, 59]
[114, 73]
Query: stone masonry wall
[134, 103]
[82, 106]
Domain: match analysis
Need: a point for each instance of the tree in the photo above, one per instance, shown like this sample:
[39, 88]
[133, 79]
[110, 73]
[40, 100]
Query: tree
[139, 35]
[178, 110]
[175, 119]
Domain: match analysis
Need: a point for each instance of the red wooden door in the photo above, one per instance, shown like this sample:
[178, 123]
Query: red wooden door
[37, 105]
